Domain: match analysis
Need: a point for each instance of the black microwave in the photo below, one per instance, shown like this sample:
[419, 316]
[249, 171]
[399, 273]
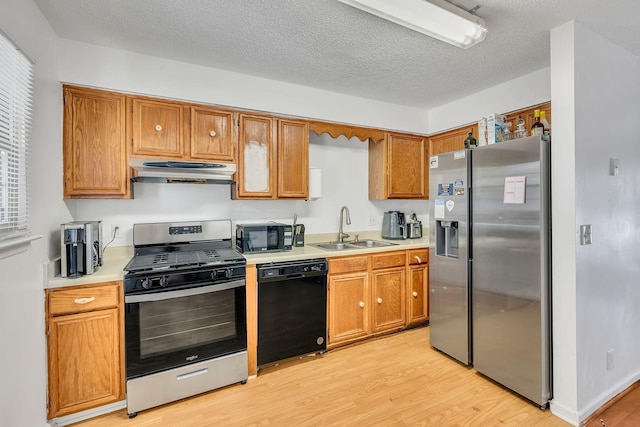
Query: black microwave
[263, 237]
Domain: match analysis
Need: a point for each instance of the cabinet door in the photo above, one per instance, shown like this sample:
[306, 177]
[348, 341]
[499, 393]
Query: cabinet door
[348, 306]
[388, 298]
[158, 129]
[408, 175]
[293, 159]
[94, 145]
[84, 361]
[211, 135]
[255, 176]
[452, 140]
[418, 296]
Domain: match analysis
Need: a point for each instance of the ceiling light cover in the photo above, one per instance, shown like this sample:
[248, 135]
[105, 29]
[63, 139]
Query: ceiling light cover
[436, 18]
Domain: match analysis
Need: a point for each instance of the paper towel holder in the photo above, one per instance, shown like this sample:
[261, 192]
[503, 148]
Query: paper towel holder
[315, 183]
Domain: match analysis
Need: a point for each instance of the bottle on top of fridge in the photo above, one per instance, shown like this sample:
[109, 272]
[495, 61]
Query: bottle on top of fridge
[470, 141]
[537, 128]
[545, 123]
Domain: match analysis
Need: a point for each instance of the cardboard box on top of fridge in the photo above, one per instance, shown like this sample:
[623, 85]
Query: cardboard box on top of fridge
[496, 128]
[482, 131]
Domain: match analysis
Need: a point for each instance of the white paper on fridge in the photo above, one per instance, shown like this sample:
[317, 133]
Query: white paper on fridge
[439, 209]
[514, 190]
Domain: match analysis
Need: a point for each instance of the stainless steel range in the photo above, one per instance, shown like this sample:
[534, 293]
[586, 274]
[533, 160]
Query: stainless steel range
[185, 312]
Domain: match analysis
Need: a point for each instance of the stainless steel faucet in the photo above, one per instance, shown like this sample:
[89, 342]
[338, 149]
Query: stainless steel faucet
[342, 235]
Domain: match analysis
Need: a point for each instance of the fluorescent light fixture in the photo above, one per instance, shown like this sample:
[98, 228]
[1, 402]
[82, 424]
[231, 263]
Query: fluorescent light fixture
[436, 18]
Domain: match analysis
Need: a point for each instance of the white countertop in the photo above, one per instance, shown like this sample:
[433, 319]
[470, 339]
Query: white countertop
[309, 252]
[114, 259]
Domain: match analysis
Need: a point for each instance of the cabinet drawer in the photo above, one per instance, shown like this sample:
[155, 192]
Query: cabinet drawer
[418, 256]
[388, 260]
[83, 298]
[348, 265]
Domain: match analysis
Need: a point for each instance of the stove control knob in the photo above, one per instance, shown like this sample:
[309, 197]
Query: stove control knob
[163, 281]
[146, 283]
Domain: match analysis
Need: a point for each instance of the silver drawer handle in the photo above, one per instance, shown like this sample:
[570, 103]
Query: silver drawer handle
[418, 259]
[192, 374]
[84, 300]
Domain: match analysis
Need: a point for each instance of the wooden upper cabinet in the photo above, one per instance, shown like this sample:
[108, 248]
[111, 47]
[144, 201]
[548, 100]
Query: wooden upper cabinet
[397, 168]
[451, 140]
[94, 144]
[211, 134]
[158, 129]
[273, 158]
[255, 173]
[293, 159]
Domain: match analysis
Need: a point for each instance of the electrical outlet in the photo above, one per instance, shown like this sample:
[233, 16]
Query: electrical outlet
[609, 360]
[115, 231]
[372, 220]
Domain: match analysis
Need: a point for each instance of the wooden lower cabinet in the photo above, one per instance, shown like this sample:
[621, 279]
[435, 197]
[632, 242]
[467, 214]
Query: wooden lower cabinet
[367, 296]
[417, 286]
[388, 299]
[349, 306]
[85, 347]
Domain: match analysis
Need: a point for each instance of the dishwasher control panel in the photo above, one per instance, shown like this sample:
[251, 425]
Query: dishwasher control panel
[284, 269]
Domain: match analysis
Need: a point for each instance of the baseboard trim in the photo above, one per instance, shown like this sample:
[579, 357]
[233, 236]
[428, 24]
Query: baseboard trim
[610, 403]
[564, 413]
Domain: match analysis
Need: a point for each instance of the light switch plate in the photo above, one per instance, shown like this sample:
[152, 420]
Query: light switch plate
[585, 234]
[614, 169]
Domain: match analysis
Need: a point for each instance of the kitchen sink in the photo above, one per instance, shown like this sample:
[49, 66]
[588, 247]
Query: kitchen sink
[333, 246]
[337, 246]
[371, 243]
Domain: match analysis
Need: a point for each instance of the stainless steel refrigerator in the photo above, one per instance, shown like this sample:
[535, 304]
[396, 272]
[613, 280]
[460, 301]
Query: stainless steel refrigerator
[489, 274]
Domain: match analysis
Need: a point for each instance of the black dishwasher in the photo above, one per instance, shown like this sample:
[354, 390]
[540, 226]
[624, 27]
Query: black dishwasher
[292, 309]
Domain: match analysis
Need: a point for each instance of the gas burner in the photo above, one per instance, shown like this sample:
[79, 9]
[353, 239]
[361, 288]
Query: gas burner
[160, 259]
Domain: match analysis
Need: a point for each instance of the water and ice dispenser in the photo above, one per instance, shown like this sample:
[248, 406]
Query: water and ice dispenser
[447, 238]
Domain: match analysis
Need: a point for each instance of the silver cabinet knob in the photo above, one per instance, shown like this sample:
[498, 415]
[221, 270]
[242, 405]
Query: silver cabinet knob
[158, 128]
[361, 304]
[415, 294]
[379, 300]
[212, 133]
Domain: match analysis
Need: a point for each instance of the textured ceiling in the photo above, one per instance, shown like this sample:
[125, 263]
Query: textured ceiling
[328, 45]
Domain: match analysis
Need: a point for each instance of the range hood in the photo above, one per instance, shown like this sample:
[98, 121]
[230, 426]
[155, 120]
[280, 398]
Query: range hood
[179, 171]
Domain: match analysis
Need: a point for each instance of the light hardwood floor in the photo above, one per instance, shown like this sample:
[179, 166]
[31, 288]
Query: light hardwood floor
[397, 380]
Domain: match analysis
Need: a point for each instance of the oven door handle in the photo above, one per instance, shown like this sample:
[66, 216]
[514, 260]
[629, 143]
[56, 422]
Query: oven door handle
[160, 296]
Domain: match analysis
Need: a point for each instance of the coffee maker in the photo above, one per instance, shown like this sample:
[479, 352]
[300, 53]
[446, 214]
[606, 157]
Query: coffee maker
[80, 247]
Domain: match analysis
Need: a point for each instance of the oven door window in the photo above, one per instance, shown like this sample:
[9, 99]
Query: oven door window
[176, 331]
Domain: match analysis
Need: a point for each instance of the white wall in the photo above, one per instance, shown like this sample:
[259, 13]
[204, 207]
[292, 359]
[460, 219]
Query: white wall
[595, 82]
[92, 65]
[564, 403]
[524, 91]
[23, 356]
[608, 297]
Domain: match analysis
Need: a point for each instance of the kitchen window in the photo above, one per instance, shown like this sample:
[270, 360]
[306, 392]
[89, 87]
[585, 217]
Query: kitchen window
[16, 94]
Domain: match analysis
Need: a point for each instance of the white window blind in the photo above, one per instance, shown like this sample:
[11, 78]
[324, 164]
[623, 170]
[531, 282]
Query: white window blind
[16, 92]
